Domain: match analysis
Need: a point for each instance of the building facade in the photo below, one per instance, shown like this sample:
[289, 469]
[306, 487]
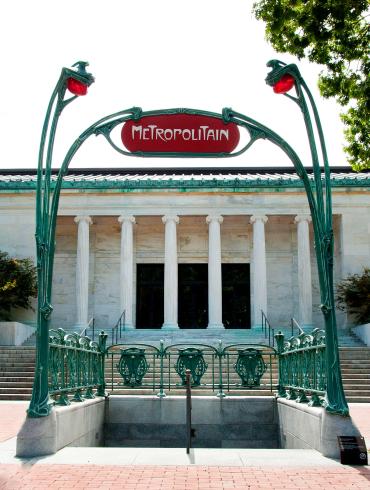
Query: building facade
[187, 248]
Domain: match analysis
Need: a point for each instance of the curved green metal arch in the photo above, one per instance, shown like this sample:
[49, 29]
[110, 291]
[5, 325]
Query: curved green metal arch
[46, 212]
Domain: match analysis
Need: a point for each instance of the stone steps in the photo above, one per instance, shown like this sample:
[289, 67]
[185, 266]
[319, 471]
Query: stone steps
[17, 370]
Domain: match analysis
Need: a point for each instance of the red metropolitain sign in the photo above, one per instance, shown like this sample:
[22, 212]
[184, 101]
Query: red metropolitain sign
[180, 133]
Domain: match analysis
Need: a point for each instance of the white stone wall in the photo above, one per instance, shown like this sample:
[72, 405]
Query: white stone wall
[351, 227]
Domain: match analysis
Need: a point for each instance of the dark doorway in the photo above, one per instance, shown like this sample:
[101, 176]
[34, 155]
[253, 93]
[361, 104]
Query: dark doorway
[193, 296]
[236, 296]
[149, 295]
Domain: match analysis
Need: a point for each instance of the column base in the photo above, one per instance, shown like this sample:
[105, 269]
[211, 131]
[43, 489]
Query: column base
[256, 327]
[170, 326]
[216, 326]
[128, 326]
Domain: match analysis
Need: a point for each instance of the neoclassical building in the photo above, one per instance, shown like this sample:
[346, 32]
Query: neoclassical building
[187, 248]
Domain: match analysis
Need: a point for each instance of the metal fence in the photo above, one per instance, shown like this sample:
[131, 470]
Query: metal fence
[302, 367]
[76, 366]
[214, 370]
[79, 365]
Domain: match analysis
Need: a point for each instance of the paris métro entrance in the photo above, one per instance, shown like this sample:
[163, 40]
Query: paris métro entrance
[193, 295]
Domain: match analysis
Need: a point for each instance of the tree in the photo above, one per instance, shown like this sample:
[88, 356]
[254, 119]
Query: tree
[18, 284]
[353, 295]
[336, 34]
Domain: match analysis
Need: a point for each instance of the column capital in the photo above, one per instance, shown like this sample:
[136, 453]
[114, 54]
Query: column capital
[170, 217]
[126, 217]
[214, 217]
[302, 217]
[83, 218]
[258, 217]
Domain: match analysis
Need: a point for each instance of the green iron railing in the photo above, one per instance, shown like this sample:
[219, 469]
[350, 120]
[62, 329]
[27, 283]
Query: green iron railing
[162, 369]
[302, 367]
[76, 366]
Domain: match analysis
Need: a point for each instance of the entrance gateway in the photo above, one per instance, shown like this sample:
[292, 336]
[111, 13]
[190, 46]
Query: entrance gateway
[193, 296]
[71, 365]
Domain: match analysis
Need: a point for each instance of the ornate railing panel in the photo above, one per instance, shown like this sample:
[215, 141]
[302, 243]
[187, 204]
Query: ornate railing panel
[193, 360]
[132, 366]
[76, 366]
[217, 370]
[302, 367]
[250, 366]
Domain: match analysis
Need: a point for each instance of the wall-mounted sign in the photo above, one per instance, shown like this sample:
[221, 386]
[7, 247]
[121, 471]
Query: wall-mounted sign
[180, 133]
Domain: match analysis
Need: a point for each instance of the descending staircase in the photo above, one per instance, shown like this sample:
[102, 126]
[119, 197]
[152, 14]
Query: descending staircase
[17, 364]
[17, 367]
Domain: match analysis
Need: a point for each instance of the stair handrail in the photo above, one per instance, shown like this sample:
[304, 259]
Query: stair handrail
[85, 329]
[188, 411]
[294, 323]
[267, 329]
[118, 327]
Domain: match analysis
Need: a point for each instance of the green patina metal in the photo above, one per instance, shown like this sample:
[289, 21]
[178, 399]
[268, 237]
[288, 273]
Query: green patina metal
[318, 194]
[178, 184]
[75, 363]
[250, 366]
[192, 359]
[302, 367]
[218, 362]
[133, 366]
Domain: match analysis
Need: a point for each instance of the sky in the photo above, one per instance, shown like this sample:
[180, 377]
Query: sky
[155, 54]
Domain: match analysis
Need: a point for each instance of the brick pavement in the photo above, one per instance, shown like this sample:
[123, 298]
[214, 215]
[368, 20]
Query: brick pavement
[14, 477]
[12, 416]
[39, 476]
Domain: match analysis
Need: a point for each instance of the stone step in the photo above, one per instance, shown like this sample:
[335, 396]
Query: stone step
[22, 391]
[20, 379]
[14, 396]
[358, 399]
[12, 374]
[17, 365]
[16, 384]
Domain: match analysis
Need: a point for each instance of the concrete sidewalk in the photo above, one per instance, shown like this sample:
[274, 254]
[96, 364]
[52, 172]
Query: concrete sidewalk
[160, 468]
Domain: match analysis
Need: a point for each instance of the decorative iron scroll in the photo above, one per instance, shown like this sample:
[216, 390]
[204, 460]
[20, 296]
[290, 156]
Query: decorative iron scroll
[302, 367]
[75, 366]
[192, 359]
[132, 366]
[250, 366]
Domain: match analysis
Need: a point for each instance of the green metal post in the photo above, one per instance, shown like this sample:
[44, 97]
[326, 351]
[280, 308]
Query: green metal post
[161, 393]
[40, 404]
[321, 213]
[103, 350]
[279, 337]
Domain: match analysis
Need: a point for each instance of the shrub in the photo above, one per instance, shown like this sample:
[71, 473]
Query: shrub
[18, 284]
[353, 296]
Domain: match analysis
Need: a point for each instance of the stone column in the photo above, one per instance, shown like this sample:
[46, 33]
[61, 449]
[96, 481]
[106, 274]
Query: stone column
[127, 269]
[259, 284]
[214, 272]
[82, 269]
[304, 271]
[170, 272]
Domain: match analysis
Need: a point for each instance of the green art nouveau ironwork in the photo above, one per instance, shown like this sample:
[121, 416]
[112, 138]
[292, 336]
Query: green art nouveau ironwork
[318, 194]
[302, 367]
[192, 359]
[250, 366]
[213, 367]
[75, 366]
[132, 366]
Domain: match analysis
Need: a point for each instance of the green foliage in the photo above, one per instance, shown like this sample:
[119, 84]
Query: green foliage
[353, 295]
[334, 33]
[18, 284]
